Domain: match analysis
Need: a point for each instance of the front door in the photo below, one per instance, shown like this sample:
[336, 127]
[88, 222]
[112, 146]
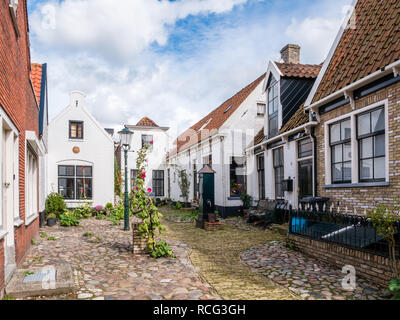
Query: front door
[305, 179]
[7, 157]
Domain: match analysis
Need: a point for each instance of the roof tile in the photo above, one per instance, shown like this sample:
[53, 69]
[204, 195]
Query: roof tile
[298, 70]
[36, 76]
[146, 122]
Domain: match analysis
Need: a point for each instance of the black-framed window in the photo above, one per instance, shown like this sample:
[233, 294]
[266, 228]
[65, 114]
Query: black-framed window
[76, 130]
[75, 182]
[340, 143]
[273, 103]
[261, 176]
[237, 176]
[134, 173]
[147, 140]
[372, 145]
[305, 148]
[158, 183]
[279, 172]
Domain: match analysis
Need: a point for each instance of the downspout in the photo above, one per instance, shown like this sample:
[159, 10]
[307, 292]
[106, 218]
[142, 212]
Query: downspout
[315, 177]
[224, 194]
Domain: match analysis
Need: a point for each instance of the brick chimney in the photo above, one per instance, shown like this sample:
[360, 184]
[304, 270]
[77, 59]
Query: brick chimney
[291, 53]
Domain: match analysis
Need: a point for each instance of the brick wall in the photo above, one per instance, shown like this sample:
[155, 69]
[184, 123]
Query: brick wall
[365, 197]
[18, 100]
[368, 266]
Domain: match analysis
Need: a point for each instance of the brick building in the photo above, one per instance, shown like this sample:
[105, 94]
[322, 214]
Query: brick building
[19, 152]
[356, 102]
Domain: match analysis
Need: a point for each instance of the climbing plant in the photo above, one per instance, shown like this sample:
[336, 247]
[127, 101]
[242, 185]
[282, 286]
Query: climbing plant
[117, 179]
[386, 221]
[144, 208]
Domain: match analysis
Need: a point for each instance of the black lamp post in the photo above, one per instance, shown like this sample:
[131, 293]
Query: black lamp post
[126, 140]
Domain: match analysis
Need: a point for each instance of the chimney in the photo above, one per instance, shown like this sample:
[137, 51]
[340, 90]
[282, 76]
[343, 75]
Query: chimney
[291, 53]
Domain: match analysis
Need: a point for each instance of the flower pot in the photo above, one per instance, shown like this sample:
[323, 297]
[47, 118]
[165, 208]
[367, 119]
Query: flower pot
[212, 217]
[51, 222]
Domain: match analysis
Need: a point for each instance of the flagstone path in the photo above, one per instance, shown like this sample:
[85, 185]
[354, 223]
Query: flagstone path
[105, 269]
[307, 277]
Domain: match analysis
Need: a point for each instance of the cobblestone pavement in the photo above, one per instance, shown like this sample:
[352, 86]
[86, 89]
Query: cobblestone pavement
[307, 277]
[217, 255]
[105, 269]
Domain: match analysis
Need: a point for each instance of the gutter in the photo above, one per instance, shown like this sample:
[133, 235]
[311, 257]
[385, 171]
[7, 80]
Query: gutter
[315, 164]
[284, 135]
[394, 67]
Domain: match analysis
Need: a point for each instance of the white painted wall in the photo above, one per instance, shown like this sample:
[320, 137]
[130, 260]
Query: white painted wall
[96, 149]
[156, 158]
[231, 140]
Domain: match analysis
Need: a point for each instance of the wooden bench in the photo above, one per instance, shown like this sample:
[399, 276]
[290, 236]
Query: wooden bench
[268, 211]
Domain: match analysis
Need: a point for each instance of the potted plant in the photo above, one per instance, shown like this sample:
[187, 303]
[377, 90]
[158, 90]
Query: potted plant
[51, 219]
[246, 199]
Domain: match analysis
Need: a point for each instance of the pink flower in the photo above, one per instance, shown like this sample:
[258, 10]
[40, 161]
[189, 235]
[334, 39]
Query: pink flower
[149, 190]
[143, 175]
[151, 142]
[136, 188]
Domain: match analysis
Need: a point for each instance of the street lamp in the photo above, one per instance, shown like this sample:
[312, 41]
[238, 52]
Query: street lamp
[126, 140]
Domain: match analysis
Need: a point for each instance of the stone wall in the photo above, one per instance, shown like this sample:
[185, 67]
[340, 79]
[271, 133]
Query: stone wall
[365, 198]
[368, 266]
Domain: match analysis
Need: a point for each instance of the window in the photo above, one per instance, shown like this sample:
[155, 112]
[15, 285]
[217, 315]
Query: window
[134, 173]
[340, 143]
[305, 148]
[147, 140]
[273, 109]
[75, 182]
[237, 177]
[14, 6]
[207, 160]
[260, 109]
[279, 172]
[371, 145]
[195, 182]
[31, 183]
[158, 183]
[261, 176]
[76, 130]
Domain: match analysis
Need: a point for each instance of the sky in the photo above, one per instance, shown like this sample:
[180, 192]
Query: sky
[173, 61]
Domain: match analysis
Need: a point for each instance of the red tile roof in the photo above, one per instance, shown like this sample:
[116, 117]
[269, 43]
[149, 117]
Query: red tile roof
[259, 137]
[298, 70]
[210, 124]
[146, 122]
[36, 76]
[372, 44]
[298, 119]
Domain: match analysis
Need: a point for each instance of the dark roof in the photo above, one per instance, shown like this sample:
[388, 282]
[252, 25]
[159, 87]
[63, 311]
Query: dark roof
[298, 70]
[146, 122]
[210, 124]
[371, 44]
[259, 137]
[298, 119]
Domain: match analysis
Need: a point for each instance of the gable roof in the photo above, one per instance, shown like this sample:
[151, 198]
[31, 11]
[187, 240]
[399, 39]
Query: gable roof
[299, 70]
[211, 123]
[364, 48]
[36, 76]
[259, 137]
[298, 119]
[146, 122]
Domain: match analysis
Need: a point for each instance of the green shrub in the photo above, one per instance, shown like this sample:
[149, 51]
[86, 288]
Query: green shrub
[83, 212]
[246, 199]
[108, 207]
[394, 288]
[55, 205]
[69, 219]
[161, 250]
[179, 205]
[117, 214]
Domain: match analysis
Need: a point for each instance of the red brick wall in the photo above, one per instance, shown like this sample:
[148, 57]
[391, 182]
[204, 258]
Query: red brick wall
[365, 197]
[18, 100]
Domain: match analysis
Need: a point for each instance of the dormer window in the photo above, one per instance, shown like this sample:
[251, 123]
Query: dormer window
[273, 103]
[76, 130]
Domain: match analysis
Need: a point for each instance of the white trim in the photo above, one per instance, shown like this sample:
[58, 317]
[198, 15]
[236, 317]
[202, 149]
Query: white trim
[329, 58]
[354, 142]
[31, 219]
[3, 234]
[7, 119]
[276, 72]
[18, 222]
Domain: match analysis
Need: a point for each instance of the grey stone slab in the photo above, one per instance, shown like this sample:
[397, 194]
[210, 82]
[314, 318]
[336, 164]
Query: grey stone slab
[44, 281]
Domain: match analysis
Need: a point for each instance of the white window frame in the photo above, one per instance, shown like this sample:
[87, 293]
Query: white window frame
[31, 186]
[354, 144]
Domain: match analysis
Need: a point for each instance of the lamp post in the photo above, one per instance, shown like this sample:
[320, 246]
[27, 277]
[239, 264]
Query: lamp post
[126, 140]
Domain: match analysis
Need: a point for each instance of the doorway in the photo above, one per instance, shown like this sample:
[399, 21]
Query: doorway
[305, 179]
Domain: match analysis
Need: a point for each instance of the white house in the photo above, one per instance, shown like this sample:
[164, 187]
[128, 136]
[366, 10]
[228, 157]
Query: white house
[146, 131]
[220, 140]
[280, 161]
[81, 156]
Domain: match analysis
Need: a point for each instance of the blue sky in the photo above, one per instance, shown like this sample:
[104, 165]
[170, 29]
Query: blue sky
[173, 61]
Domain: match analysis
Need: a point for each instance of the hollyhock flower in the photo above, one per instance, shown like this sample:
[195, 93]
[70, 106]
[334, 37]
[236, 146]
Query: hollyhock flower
[136, 188]
[149, 190]
[143, 175]
[151, 142]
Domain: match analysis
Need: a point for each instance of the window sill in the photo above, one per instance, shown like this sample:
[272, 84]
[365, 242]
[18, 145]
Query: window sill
[30, 219]
[76, 140]
[234, 198]
[18, 222]
[357, 185]
[3, 234]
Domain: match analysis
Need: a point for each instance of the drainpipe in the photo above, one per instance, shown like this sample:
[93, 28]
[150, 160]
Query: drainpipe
[315, 177]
